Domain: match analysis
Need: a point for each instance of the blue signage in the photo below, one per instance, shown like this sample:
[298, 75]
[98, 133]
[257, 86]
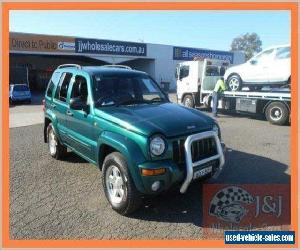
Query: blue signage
[186, 54]
[259, 237]
[95, 46]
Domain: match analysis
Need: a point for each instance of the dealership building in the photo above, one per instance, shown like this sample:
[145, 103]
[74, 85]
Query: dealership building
[35, 57]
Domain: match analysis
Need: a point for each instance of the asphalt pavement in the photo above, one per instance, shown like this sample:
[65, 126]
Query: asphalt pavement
[52, 199]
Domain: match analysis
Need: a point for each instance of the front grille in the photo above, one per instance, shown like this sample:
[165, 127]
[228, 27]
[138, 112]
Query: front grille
[178, 152]
[204, 148]
[200, 150]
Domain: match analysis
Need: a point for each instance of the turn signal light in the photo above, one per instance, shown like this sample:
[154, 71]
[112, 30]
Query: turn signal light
[151, 172]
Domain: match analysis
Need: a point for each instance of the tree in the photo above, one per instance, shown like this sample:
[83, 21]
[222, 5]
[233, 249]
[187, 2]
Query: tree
[249, 43]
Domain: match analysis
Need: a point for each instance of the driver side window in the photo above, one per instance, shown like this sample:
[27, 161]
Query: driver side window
[264, 55]
[184, 71]
[79, 89]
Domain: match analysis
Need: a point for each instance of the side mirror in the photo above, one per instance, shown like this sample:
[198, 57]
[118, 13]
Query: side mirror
[78, 104]
[253, 62]
[176, 74]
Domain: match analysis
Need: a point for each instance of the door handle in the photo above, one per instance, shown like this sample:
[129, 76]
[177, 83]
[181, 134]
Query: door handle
[69, 113]
[52, 105]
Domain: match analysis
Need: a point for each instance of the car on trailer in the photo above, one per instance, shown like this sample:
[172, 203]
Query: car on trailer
[196, 81]
[271, 67]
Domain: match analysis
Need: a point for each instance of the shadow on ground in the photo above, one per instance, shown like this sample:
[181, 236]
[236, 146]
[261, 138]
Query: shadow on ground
[240, 168]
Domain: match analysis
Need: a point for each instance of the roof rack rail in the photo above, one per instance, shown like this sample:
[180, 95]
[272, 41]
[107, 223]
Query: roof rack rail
[69, 66]
[117, 66]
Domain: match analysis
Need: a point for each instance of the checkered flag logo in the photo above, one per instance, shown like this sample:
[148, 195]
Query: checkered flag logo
[227, 204]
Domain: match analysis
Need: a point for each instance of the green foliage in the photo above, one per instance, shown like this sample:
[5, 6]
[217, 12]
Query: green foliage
[249, 43]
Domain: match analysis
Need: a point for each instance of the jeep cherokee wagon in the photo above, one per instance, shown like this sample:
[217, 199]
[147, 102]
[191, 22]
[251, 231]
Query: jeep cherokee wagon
[120, 120]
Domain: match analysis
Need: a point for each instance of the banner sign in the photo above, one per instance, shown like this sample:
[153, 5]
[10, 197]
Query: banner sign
[95, 46]
[245, 207]
[186, 54]
[40, 43]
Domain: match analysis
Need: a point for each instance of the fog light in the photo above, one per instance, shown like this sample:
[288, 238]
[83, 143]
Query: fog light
[155, 186]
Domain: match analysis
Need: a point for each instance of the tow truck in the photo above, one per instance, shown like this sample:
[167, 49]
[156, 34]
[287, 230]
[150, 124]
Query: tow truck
[196, 80]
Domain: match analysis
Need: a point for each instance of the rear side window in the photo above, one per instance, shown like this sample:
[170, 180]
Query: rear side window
[283, 53]
[21, 88]
[212, 71]
[62, 88]
[50, 89]
[52, 83]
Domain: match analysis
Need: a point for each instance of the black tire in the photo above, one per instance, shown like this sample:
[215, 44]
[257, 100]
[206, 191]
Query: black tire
[188, 101]
[277, 113]
[234, 83]
[131, 198]
[60, 150]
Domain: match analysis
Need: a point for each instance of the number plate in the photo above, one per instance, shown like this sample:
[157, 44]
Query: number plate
[202, 172]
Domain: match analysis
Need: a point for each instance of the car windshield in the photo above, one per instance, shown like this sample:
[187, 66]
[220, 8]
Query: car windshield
[126, 90]
[21, 88]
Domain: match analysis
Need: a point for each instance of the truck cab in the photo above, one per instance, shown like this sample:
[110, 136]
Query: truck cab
[193, 75]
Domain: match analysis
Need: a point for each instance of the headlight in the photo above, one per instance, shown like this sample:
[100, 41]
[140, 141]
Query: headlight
[217, 130]
[157, 146]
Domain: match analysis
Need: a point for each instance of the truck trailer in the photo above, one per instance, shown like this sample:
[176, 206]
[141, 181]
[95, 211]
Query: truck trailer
[196, 80]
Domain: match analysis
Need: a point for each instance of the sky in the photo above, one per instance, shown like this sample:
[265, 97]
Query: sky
[200, 29]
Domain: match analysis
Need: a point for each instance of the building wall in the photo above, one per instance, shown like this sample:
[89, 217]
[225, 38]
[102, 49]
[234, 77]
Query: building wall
[158, 62]
[165, 66]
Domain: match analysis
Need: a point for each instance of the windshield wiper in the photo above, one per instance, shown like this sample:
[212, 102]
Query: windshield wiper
[156, 99]
[130, 102]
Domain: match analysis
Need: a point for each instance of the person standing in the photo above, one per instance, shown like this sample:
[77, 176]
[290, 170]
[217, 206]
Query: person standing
[220, 87]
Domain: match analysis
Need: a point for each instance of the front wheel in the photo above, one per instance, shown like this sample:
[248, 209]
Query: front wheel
[234, 83]
[118, 185]
[277, 113]
[56, 149]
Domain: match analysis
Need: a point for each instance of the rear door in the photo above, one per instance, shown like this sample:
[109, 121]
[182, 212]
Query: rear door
[59, 104]
[80, 122]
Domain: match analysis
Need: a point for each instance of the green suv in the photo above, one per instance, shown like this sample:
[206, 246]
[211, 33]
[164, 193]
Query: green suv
[121, 121]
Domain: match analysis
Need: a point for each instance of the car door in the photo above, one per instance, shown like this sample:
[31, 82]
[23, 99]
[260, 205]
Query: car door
[257, 68]
[59, 104]
[187, 81]
[80, 122]
[280, 69]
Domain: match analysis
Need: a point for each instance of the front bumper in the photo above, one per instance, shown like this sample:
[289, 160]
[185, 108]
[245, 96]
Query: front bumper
[183, 175]
[188, 156]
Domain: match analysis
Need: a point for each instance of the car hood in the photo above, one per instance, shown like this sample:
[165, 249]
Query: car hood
[168, 118]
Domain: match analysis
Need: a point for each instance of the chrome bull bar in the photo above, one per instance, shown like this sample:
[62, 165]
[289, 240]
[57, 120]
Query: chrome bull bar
[188, 156]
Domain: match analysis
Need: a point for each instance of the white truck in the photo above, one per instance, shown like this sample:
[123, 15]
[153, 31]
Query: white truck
[196, 80]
